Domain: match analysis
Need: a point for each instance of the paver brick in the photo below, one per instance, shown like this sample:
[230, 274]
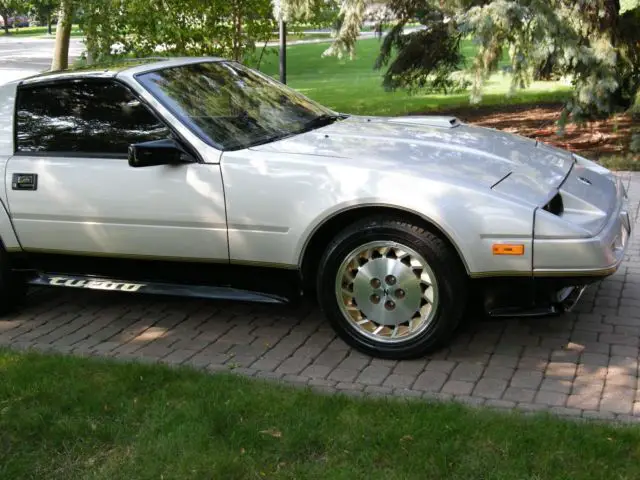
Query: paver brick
[431, 381]
[502, 373]
[407, 393]
[589, 358]
[343, 375]
[468, 372]
[500, 403]
[354, 362]
[516, 394]
[383, 362]
[583, 402]
[470, 400]
[373, 375]
[350, 386]
[410, 367]
[526, 379]
[203, 359]
[293, 365]
[532, 363]
[568, 412]
[330, 358]
[316, 371]
[551, 398]
[507, 361]
[556, 385]
[376, 390]
[177, 357]
[458, 387]
[598, 415]
[490, 388]
[154, 351]
[619, 339]
[267, 363]
[241, 361]
[561, 370]
[621, 380]
[617, 402]
[399, 381]
[444, 366]
[321, 382]
[269, 375]
[296, 379]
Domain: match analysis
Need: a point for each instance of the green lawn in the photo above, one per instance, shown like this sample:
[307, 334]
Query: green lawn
[39, 31]
[71, 418]
[352, 86]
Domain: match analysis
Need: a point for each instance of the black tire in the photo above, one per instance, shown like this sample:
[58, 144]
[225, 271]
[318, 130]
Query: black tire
[13, 288]
[444, 262]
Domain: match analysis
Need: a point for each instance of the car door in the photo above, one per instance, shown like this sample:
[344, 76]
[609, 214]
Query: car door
[71, 189]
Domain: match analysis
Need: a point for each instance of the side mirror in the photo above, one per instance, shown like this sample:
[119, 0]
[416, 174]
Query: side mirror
[157, 152]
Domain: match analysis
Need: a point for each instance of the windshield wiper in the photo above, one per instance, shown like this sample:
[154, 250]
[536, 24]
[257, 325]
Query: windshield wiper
[320, 121]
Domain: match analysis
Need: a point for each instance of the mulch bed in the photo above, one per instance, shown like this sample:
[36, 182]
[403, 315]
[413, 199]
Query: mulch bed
[593, 140]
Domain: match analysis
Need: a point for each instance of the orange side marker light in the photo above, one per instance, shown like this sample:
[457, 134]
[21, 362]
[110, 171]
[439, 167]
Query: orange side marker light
[507, 249]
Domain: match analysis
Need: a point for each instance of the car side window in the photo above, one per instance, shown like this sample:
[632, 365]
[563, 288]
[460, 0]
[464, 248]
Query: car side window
[88, 117]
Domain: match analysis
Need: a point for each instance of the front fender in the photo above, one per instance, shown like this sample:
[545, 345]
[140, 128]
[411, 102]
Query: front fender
[276, 202]
[473, 220]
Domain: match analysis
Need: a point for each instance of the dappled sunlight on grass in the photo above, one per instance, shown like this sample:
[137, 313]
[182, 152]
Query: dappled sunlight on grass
[353, 86]
[8, 362]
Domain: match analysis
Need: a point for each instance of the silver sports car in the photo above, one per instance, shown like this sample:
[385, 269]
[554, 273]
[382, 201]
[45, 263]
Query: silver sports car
[202, 177]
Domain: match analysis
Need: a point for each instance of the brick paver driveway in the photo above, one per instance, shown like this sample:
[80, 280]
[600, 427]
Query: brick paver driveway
[584, 363]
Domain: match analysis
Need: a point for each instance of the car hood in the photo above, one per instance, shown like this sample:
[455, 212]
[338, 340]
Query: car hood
[438, 147]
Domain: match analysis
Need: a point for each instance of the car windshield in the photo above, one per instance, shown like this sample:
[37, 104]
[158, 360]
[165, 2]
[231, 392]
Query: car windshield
[233, 107]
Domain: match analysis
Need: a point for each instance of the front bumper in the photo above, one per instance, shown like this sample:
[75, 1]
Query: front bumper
[563, 267]
[599, 255]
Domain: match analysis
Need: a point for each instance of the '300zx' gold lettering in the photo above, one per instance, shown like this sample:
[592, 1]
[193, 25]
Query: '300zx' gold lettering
[95, 284]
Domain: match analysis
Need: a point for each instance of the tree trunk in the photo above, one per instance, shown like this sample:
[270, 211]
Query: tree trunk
[5, 25]
[49, 22]
[63, 35]
[237, 40]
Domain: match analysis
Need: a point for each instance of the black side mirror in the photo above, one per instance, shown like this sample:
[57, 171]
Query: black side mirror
[158, 152]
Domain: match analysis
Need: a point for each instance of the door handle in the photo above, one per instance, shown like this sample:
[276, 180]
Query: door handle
[24, 181]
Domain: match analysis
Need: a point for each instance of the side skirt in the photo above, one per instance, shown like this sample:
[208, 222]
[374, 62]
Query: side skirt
[88, 282]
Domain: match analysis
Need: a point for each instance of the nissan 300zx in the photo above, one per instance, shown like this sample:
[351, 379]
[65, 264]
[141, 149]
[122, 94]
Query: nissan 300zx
[202, 177]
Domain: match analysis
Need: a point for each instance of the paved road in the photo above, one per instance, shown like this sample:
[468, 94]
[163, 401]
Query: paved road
[583, 364]
[21, 57]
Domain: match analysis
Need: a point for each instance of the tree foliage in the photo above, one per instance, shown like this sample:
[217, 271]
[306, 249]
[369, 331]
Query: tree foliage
[228, 28]
[10, 8]
[595, 43]
[44, 10]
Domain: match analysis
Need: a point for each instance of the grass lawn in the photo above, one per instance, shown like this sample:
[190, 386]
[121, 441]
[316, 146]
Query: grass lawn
[353, 86]
[71, 418]
[39, 31]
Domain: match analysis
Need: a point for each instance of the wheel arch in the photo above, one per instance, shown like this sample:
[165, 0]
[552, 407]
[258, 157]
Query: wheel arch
[320, 237]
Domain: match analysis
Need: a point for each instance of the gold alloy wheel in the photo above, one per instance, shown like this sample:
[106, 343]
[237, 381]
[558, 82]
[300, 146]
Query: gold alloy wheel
[387, 291]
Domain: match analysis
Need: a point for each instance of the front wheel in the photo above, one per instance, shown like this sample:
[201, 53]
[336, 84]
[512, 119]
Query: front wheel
[392, 289]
